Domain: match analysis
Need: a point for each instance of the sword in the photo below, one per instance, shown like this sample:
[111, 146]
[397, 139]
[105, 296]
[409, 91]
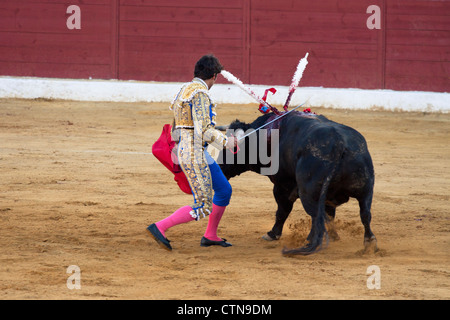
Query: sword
[276, 119]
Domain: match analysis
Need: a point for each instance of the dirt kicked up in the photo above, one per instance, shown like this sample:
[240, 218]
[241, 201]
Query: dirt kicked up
[79, 186]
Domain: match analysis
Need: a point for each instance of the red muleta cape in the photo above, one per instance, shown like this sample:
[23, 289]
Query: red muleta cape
[162, 150]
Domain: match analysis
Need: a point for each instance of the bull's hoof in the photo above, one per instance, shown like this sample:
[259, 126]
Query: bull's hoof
[331, 229]
[370, 244]
[268, 237]
[333, 235]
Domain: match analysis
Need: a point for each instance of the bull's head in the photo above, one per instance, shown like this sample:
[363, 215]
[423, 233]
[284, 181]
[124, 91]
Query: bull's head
[256, 152]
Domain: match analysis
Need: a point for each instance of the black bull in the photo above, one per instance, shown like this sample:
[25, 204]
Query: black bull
[322, 162]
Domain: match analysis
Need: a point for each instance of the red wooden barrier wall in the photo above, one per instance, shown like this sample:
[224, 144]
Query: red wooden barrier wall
[260, 41]
[35, 41]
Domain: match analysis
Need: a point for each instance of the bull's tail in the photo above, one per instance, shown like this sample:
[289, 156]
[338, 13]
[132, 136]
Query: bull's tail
[319, 229]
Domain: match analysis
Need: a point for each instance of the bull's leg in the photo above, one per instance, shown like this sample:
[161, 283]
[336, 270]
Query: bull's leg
[365, 204]
[311, 207]
[331, 213]
[285, 204]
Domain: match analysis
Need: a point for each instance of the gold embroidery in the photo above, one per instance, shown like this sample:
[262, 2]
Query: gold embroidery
[194, 165]
[181, 105]
[195, 119]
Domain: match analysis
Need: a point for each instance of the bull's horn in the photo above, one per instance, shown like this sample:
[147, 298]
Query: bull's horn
[239, 134]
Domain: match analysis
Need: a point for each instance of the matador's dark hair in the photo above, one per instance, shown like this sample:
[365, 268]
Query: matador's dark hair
[207, 67]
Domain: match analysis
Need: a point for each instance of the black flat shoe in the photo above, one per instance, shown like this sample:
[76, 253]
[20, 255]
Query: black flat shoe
[207, 243]
[157, 235]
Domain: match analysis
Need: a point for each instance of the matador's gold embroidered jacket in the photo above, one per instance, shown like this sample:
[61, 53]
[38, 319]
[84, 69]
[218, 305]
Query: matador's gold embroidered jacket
[194, 128]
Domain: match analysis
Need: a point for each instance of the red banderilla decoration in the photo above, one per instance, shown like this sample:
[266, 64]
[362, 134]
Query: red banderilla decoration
[264, 109]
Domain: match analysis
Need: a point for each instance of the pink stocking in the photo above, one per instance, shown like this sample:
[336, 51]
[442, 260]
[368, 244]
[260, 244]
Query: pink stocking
[213, 223]
[180, 216]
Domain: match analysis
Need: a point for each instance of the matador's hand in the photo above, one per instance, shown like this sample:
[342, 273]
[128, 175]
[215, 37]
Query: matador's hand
[232, 142]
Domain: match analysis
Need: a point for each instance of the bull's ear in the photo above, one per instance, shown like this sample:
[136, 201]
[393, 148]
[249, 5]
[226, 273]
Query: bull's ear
[237, 124]
[222, 128]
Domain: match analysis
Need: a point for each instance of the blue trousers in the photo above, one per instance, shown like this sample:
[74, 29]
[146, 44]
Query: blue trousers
[221, 186]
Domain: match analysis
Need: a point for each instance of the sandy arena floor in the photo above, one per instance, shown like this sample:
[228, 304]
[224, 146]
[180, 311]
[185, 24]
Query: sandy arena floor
[78, 187]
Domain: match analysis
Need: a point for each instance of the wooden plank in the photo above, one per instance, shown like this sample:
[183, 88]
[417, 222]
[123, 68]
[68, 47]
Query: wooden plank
[181, 14]
[349, 36]
[420, 82]
[173, 57]
[417, 52]
[55, 70]
[177, 67]
[418, 37]
[157, 45]
[418, 22]
[65, 2]
[343, 6]
[320, 66]
[179, 3]
[180, 29]
[11, 38]
[309, 20]
[424, 68]
[318, 49]
[88, 53]
[417, 83]
[417, 8]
